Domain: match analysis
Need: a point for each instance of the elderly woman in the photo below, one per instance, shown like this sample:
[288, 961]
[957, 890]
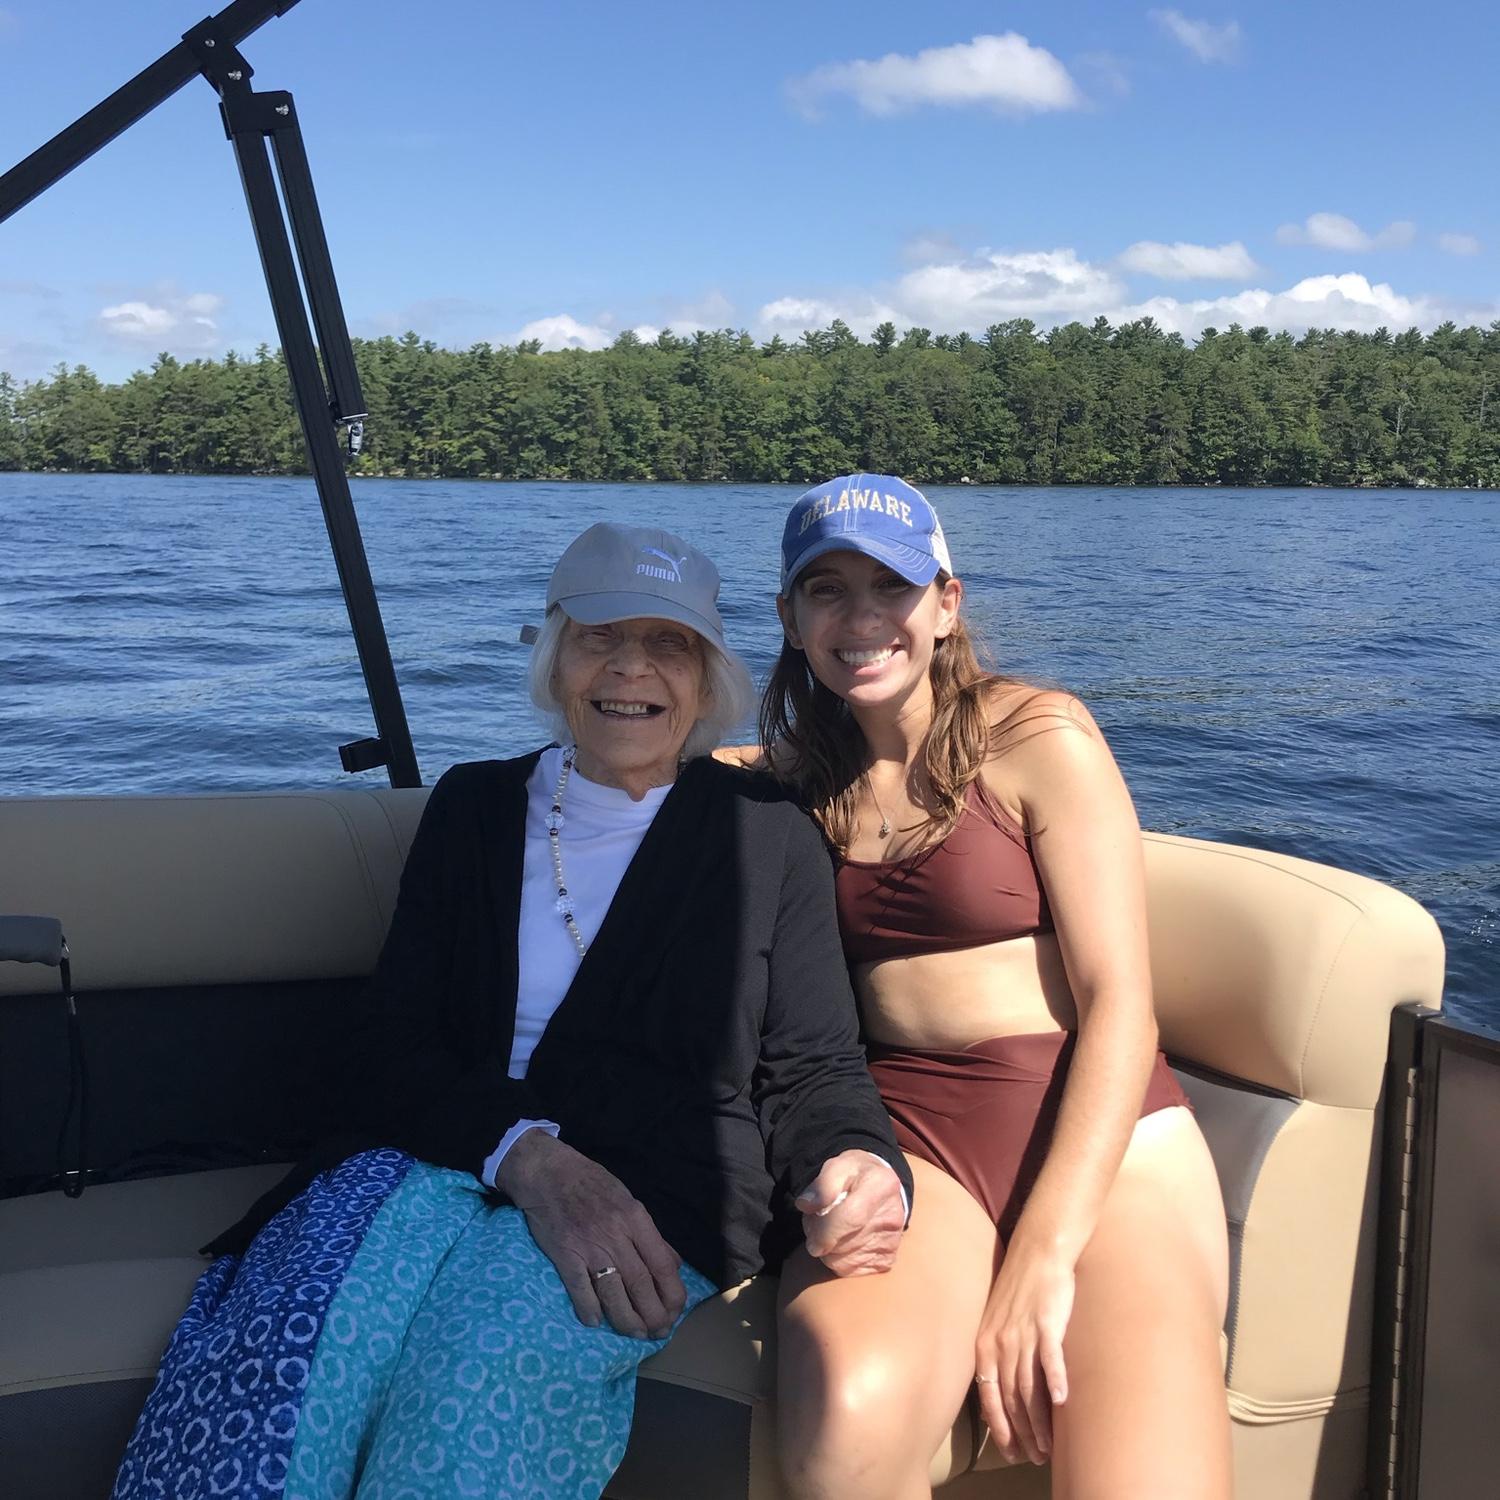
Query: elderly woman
[611, 1064]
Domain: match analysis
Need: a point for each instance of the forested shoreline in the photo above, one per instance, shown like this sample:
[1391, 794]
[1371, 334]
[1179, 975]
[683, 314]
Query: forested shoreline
[1074, 405]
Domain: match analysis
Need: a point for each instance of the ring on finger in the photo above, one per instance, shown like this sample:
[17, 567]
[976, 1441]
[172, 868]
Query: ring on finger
[985, 1380]
[604, 1271]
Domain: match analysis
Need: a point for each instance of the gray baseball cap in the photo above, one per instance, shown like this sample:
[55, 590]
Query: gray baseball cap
[614, 572]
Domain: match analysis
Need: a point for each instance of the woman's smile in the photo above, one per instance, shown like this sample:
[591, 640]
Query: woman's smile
[868, 658]
[619, 708]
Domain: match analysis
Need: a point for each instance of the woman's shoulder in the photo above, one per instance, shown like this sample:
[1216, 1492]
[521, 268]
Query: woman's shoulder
[468, 777]
[1018, 711]
[1040, 738]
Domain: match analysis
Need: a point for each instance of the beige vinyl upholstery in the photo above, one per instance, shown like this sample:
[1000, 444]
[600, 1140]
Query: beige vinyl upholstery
[1274, 979]
[1282, 973]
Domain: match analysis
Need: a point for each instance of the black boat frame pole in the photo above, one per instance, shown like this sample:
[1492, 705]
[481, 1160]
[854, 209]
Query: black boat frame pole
[251, 120]
[130, 102]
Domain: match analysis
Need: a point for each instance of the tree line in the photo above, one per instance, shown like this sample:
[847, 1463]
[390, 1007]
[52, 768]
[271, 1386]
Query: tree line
[1077, 404]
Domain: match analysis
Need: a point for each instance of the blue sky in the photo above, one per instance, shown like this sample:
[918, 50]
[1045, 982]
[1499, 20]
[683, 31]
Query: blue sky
[498, 171]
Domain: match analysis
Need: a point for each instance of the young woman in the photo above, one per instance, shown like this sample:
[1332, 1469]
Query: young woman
[1066, 1257]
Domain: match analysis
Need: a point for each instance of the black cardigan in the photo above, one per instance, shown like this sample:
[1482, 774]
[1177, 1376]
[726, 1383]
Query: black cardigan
[707, 1051]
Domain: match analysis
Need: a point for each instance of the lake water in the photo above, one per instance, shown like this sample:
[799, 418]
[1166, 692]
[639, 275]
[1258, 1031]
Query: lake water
[1311, 671]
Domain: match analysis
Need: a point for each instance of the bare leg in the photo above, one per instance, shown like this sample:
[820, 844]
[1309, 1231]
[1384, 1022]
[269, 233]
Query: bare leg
[1146, 1417]
[872, 1370]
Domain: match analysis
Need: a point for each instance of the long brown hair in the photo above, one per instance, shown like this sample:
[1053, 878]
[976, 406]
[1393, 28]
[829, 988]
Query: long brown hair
[814, 743]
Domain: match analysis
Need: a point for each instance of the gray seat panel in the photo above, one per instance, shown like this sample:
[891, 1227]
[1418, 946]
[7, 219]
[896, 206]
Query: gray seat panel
[65, 1443]
[685, 1442]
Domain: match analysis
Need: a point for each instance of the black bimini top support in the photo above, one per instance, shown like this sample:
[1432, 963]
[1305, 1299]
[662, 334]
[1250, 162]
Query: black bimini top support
[252, 121]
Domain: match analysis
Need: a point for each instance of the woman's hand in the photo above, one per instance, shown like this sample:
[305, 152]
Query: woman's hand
[748, 757]
[853, 1214]
[586, 1220]
[1018, 1353]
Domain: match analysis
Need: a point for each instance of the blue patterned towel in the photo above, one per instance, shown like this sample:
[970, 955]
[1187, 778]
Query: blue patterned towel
[390, 1335]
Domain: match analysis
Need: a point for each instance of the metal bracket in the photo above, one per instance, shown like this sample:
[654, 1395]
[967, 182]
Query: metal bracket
[247, 113]
[221, 61]
[363, 755]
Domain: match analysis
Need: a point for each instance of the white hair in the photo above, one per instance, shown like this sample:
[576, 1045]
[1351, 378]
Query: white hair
[728, 691]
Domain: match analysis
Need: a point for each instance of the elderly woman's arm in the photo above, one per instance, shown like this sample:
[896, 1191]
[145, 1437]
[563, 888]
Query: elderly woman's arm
[829, 1140]
[584, 1219]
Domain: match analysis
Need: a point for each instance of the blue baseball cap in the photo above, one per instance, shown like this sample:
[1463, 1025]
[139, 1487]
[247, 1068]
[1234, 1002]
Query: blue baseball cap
[877, 514]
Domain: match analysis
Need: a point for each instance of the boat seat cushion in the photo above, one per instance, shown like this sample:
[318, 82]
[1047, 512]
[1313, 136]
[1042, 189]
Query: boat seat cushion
[91, 1288]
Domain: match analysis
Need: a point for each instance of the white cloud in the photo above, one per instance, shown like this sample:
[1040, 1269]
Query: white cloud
[954, 295]
[1003, 73]
[1335, 232]
[799, 313]
[993, 285]
[563, 331]
[1347, 301]
[684, 316]
[1459, 244]
[1183, 262]
[1206, 41]
[180, 324]
[958, 293]
[791, 316]
[130, 320]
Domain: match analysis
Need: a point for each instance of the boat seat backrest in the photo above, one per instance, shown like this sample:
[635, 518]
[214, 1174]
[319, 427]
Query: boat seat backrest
[239, 888]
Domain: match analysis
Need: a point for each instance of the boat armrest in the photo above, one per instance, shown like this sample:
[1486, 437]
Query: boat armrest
[1282, 972]
[1275, 980]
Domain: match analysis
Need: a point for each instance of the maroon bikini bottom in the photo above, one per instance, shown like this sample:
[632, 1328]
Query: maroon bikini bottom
[985, 1115]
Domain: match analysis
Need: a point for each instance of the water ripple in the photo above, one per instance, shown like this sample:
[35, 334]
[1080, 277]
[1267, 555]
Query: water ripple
[1291, 670]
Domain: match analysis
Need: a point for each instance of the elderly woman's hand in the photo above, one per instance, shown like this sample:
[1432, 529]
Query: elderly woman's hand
[587, 1223]
[853, 1214]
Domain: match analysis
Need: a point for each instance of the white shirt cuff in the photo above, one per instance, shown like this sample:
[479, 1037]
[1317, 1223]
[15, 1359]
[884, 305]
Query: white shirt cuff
[511, 1136]
[905, 1201]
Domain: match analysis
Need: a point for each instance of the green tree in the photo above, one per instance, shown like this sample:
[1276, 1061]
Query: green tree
[10, 430]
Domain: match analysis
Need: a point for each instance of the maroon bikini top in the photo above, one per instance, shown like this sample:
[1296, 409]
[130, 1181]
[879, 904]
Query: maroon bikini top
[979, 885]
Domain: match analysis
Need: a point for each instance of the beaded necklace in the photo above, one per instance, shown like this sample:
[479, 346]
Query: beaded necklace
[555, 822]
